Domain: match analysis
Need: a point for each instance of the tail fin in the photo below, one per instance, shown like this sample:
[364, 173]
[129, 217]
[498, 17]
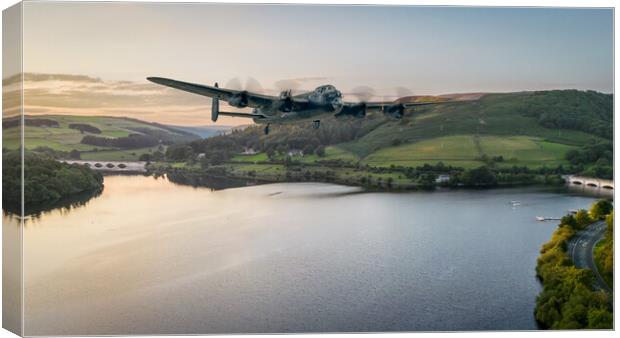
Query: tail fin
[215, 107]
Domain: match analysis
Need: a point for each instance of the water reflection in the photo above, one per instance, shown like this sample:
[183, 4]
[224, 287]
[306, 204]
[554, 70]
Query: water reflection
[149, 256]
[11, 273]
[63, 205]
[582, 189]
[206, 181]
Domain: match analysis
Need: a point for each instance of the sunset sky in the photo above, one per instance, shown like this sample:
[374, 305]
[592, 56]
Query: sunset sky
[101, 53]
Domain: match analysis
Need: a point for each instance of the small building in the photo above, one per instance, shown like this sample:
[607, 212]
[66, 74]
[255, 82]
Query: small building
[443, 178]
[295, 152]
[249, 151]
[201, 155]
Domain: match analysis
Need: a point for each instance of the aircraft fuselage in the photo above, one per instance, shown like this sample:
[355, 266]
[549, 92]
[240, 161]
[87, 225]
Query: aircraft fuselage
[325, 100]
[305, 107]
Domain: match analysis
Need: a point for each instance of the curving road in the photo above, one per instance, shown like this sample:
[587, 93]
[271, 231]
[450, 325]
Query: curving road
[581, 251]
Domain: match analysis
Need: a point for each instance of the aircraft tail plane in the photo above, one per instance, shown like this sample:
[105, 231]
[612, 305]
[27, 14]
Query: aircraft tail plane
[215, 107]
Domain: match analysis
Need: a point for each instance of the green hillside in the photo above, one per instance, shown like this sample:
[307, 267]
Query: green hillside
[65, 133]
[493, 114]
[563, 131]
[469, 151]
[513, 128]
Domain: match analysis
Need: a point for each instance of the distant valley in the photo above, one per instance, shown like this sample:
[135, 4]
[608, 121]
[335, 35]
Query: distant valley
[207, 131]
[93, 137]
[545, 129]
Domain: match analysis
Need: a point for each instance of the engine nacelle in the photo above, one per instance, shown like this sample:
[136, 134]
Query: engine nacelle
[286, 101]
[396, 111]
[358, 110]
[239, 100]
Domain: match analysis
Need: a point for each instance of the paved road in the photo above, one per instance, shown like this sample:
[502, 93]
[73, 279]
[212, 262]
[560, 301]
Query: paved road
[581, 251]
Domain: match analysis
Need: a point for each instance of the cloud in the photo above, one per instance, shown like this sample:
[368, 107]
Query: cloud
[36, 77]
[85, 95]
[313, 79]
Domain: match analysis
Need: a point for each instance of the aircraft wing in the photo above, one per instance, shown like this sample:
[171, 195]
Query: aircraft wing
[247, 115]
[254, 100]
[380, 106]
[394, 108]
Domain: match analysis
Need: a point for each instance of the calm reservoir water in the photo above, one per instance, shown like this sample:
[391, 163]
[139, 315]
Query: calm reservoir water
[152, 257]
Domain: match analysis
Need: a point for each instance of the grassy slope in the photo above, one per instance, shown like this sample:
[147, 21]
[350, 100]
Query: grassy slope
[466, 151]
[65, 139]
[456, 150]
[331, 153]
[458, 133]
[117, 155]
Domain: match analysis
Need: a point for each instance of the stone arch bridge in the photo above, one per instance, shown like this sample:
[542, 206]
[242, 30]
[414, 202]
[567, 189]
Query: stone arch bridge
[112, 166]
[590, 182]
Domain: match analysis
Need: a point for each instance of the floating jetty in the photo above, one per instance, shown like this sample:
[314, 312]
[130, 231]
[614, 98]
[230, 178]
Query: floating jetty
[542, 219]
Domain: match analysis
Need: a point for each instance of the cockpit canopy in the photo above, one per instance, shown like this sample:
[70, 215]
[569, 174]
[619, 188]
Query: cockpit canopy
[327, 89]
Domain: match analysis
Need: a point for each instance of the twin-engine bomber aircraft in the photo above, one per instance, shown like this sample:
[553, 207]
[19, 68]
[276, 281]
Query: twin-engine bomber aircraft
[288, 108]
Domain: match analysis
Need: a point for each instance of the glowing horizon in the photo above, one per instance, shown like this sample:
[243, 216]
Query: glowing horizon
[101, 53]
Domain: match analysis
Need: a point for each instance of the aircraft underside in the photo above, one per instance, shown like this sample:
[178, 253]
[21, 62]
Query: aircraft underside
[286, 108]
[291, 117]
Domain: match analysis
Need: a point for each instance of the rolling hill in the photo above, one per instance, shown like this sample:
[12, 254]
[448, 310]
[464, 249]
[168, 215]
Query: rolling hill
[65, 133]
[207, 131]
[531, 129]
[506, 125]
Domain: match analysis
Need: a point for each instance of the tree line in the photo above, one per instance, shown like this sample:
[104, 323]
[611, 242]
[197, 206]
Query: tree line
[593, 160]
[46, 180]
[126, 142]
[604, 255]
[587, 111]
[145, 137]
[34, 122]
[568, 300]
[85, 128]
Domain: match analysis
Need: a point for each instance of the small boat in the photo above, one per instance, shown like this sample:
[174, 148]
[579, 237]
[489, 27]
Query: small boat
[573, 211]
[540, 218]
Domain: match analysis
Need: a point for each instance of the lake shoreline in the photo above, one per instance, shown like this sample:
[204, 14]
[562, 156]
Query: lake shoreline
[387, 250]
[328, 176]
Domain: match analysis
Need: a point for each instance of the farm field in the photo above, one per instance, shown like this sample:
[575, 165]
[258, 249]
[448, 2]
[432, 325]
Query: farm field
[331, 153]
[468, 150]
[492, 115]
[117, 155]
[62, 138]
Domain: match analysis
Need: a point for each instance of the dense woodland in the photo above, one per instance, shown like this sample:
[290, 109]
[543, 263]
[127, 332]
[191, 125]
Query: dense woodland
[45, 179]
[127, 142]
[587, 111]
[568, 300]
[85, 128]
[35, 122]
[604, 255]
[287, 137]
[594, 160]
